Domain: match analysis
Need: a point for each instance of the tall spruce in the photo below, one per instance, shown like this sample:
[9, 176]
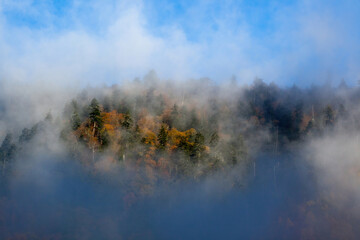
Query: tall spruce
[7, 150]
[127, 122]
[162, 137]
[95, 115]
[75, 118]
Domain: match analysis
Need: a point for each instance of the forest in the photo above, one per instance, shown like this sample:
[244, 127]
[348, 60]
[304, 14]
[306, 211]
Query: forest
[158, 159]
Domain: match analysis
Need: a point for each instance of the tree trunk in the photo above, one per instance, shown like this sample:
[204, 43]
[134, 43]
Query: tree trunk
[94, 129]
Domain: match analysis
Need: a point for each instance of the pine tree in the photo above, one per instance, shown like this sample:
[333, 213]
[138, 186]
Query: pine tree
[329, 115]
[75, 118]
[49, 117]
[214, 139]
[28, 134]
[7, 150]
[95, 115]
[127, 122]
[75, 121]
[162, 137]
[309, 127]
[297, 116]
[198, 145]
[136, 134]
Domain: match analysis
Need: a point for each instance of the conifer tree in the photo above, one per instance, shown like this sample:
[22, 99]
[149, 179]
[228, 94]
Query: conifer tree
[95, 115]
[75, 118]
[127, 122]
[162, 137]
[75, 121]
[7, 150]
[28, 134]
[329, 115]
[198, 145]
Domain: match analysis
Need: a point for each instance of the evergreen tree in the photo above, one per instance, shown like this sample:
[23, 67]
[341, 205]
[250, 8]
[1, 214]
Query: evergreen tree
[309, 127]
[95, 115]
[199, 146]
[329, 115]
[28, 134]
[214, 139]
[104, 138]
[127, 122]
[49, 117]
[75, 121]
[75, 118]
[7, 149]
[162, 137]
[297, 116]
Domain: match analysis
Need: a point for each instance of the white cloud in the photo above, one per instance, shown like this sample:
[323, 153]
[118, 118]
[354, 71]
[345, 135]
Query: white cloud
[303, 44]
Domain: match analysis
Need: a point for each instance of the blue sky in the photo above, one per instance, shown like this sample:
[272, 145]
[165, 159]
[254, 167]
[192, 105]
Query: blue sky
[287, 42]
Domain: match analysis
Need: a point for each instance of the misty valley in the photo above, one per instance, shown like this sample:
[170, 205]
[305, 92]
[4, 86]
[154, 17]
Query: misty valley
[160, 159]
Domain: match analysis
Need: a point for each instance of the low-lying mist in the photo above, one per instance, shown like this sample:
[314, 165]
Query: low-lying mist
[156, 159]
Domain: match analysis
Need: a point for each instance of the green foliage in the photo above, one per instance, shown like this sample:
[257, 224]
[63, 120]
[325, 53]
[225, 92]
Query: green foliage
[297, 116]
[162, 137]
[104, 138]
[28, 134]
[198, 146]
[95, 114]
[214, 139]
[209, 136]
[7, 149]
[127, 122]
[75, 120]
[329, 115]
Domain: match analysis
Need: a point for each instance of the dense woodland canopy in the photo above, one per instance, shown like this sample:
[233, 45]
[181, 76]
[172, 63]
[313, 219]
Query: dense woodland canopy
[195, 132]
[162, 133]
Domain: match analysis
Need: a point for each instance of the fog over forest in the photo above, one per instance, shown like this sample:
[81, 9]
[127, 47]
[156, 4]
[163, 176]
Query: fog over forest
[171, 119]
[160, 159]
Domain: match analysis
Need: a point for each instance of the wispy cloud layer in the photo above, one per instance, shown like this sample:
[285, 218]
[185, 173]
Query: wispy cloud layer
[93, 42]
